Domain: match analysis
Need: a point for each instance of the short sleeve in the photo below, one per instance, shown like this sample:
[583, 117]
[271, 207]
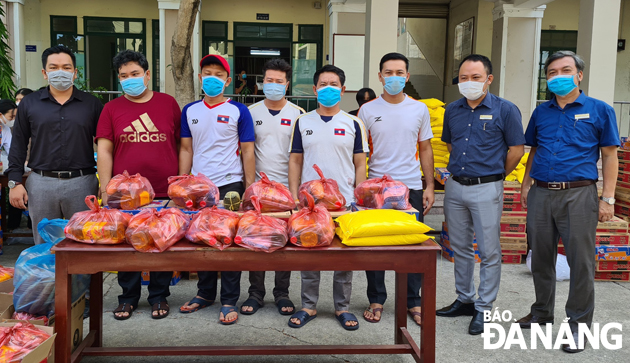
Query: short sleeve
[185, 129]
[361, 114]
[513, 126]
[609, 135]
[360, 138]
[530, 133]
[177, 116]
[105, 126]
[245, 125]
[425, 126]
[446, 130]
[296, 139]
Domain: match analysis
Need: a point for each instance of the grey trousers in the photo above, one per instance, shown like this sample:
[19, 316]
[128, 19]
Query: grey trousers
[475, 209]
[342, 289]
[257, 286]
[57, 198]
[573, 215]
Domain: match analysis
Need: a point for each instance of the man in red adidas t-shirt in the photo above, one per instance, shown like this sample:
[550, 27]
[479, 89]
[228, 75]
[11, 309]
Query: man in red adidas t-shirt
[139, 132]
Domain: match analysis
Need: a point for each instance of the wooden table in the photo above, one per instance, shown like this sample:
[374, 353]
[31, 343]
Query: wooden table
[78, 258]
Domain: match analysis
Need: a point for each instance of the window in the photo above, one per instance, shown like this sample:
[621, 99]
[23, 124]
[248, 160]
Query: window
[306, 59]
[256, 31]
[552, 41]
[63, 31]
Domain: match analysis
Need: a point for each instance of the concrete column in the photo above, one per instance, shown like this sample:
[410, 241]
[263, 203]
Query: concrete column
[162, 54]
[14, 11]
[381, 28]
[516, 55]
[597, 44]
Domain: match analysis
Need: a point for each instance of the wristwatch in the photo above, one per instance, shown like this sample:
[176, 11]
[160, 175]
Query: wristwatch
[610, 201]
[13, 184]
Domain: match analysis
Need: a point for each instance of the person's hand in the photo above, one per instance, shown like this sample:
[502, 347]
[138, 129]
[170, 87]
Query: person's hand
[18, 197]
[606, 211]
[428, 198]
[103, 196]
[524, 192]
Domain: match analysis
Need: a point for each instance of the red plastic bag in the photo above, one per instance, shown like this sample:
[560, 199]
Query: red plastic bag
[324, 191]
[193, 192]
[259, 232]
[153, 231]
[27, 316]
[19, 340]
[312, 226]
[129, 192]
[97, 226]
[214, 227]
[383, 193]
[6, 273]
[272, 196]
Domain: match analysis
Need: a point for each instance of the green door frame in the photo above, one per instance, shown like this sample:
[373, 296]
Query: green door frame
[287, 25]
[320, 43]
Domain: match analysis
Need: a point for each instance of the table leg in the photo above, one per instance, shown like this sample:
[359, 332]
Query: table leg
[401, 307]
[63, 306]
[427, 331]
[96, 308]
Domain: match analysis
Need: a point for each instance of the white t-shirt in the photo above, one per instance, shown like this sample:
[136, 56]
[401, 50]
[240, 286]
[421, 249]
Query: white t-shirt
[273, 137]
[395, 131]
[330, 142]
[5, 146]
[216, 132]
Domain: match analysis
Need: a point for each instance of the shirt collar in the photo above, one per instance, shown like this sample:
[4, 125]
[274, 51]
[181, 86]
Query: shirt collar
[487, 101]
[581, 100]
[76, 94]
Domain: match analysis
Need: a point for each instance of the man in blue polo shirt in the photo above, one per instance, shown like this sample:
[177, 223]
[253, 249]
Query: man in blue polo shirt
[566, 135]
[479, 130]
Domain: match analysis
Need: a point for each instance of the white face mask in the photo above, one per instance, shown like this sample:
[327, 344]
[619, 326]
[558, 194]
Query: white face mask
[7, 122]
[472, 90]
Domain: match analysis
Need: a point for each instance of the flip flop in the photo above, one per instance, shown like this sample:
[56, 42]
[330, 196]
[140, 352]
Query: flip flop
[202, 304]
[253, 303]
[346, 317]
[304, 318]
[157, 307]
[374, 311]
[124, 308]
[285, 303]
[226, 310]
[414, 313]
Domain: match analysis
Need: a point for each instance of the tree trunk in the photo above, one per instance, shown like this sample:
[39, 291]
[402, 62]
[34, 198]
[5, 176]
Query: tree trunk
[183, 71]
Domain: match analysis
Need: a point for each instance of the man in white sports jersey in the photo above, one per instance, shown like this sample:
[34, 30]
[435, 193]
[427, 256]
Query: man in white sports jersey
[211, 131]
[273, 120]
[337, 142]
[400, 131]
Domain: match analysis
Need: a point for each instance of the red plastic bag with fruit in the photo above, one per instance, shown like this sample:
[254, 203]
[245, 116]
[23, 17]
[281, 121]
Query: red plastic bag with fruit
[153, 231]
[324, 191]
[383, 193]
[18, 340]
[193, 192]
[129, 192]
[214, 227]
[312, 226]
[259, 232]
[272, 196]
[97, 225]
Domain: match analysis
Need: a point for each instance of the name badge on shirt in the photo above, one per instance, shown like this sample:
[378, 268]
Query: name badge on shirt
[582, 116]
[485, 117]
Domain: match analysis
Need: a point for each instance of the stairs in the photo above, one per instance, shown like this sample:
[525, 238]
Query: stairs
[410, 90]
[438, 205]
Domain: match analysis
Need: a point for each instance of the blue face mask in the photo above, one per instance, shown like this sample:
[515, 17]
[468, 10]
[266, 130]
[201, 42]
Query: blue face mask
[274, 91]
[134, 87]
[212, 85]
[394, 84]
[562, 85]
[329, 96]
[244, 76]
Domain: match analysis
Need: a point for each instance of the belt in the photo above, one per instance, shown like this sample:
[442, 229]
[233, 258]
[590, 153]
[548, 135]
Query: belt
[564, 185]
[481, 180]
[66, 174]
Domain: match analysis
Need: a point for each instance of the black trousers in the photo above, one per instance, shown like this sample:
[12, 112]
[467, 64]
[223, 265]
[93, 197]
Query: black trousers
[131, 283]
[257, 286]
[230, 280]
[376, 290]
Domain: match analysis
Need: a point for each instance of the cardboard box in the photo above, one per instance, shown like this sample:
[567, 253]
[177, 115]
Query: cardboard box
[44, 352]
[624, 167]
[513, 207]
[615, 225]
[511, 186]
[511, 196]
[513, 235]
[511, 258]
[444, 241]
[612, 266]
[514, 217]
[76, 322]
[625, 143]
[6, 286]
[507, 251]
[174, 280]
[610, 239]
[6, 306]
[612, 253]
[514, 246]
[514, 227]
[520, 240]
[412, 210]
[623, 177]
[449, 254]
[623, 154]
[612, 276]
[441, 175]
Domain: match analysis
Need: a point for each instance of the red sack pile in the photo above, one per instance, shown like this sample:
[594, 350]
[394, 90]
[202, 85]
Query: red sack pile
[312, 226]
[214, 227]
[19, 340]
[272, 196]
[259, 232]
[324, 191]
[193, 192]
[27, 316]
[153, 231]
[382, 193]
[97, 226]
[6, 273]
[129, 192]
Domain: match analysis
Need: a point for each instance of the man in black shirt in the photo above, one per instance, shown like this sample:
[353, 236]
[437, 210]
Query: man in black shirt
[61, 122]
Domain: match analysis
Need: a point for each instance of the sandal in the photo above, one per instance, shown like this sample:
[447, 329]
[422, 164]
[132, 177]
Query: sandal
[346, 317]
[303, 317]
[414, 313]
[124, 308]
[157, 307]
[285, 303]
[203, 303]
[255, 305]
[226, 310]
[373, 311]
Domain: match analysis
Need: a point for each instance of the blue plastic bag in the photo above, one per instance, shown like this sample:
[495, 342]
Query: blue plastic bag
[51, 230]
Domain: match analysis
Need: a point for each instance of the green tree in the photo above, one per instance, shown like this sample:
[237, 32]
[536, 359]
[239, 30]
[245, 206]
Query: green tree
[7, 86]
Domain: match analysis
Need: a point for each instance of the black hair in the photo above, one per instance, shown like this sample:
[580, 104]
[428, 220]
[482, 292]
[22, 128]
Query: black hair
[331, 69]
[58, 49]
[278, 64]
[478, 58]
[6, 106]
[393, 56]
[361, 95]
[579, 62]
[23, 92]
[127, 56]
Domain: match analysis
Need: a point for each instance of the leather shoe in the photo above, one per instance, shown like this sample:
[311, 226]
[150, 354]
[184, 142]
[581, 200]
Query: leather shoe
[567, 348]
[476, 324]
[457, 308]
[527, 321]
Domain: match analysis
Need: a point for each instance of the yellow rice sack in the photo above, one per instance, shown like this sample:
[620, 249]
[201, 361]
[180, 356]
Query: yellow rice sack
[432, 103]
[404, 239]
[378, 222]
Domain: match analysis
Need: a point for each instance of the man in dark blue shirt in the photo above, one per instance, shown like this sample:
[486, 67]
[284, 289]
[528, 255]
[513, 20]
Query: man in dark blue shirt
[566, 135]
[479, 130]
